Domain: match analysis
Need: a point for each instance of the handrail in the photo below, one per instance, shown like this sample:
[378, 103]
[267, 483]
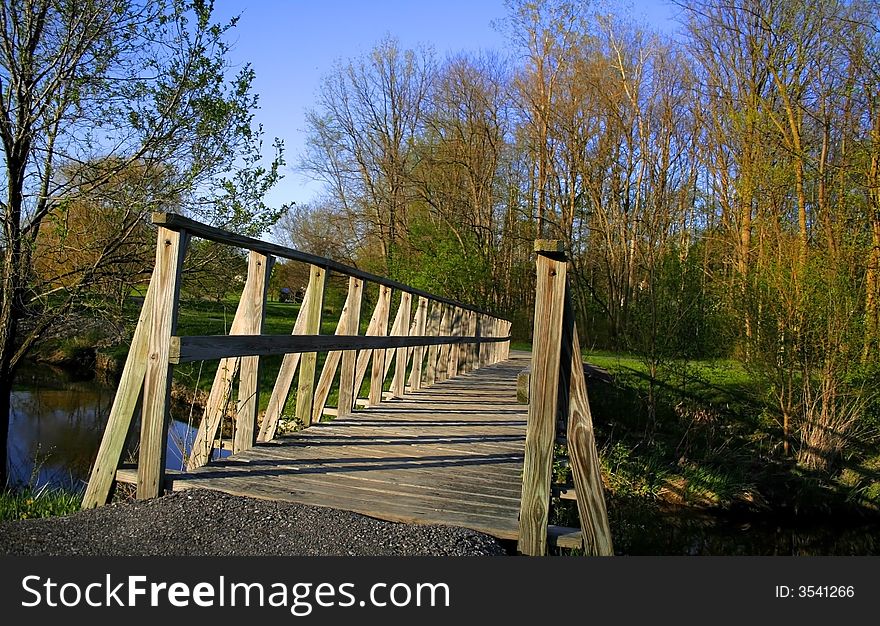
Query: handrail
[188, 348]
[429, 340]
[173, 221]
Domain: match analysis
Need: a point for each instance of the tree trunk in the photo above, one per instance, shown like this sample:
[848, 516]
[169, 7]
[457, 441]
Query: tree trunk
[5, 411]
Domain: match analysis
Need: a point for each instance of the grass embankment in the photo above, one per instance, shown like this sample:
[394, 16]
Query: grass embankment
[703, 434]
[31, 503]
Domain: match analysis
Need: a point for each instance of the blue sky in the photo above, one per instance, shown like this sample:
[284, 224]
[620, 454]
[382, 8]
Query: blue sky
[293, 43]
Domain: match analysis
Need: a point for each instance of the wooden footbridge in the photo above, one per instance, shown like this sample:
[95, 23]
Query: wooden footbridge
[443, 438]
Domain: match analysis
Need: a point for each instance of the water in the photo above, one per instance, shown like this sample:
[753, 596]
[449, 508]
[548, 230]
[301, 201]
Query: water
[56, 424]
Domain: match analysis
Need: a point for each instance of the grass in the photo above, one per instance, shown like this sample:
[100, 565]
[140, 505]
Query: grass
[702, 434]
[29, 503]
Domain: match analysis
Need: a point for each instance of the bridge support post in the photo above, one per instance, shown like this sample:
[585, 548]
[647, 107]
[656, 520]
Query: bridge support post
[254, 312]
[557, 389]
[418, 359]
[400, 355]
[305, 391]
[543, 400]
[377, 377]
[352, 314]
[170, 250]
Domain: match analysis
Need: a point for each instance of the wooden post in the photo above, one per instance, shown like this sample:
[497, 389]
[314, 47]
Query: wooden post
[349, 318]
[543, 399]
[397, 328]
[444, 360]
[464, 360]
[285, 375]
[377, 326]
[378, 374]
[455, 348]
[121, 413]
[170, 250]
[482, 349]
[433, 330]
[254, 312]
[421, 322]
[404, 314]
[496, 347]
[221, 389]
[347, 392]
[582, 453]
[505, 345]
[308, 363]
[474, 348]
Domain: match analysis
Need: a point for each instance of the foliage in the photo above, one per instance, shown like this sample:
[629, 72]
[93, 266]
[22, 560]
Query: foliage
[36, 503]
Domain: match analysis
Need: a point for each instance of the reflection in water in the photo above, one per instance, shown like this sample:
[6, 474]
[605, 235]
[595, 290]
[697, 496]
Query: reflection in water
[56, 425]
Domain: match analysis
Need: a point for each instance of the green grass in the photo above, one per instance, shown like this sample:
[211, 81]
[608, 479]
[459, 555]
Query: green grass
[703, 433]
[31, 503]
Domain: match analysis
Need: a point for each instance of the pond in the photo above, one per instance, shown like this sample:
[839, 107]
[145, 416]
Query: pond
[57, 420]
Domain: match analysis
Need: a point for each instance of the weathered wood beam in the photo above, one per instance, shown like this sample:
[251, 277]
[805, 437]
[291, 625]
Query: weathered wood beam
[452, 367]
[131, 382]
[400, 357]
[285, 378]
[221, 389]
[420, 325]
[349, 318]
[433, 330]
[377, 377]
[582, 453]
[378, 326]
[543, 404]
[206, 347]
[170, 251]
[347, 392]
[254, 300]
[306, 388]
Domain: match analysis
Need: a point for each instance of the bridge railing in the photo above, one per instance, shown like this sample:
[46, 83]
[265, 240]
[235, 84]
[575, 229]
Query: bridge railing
[559, 412]
[431, 339]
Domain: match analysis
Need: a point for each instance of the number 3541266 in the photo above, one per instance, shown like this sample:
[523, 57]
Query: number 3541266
[826, 591]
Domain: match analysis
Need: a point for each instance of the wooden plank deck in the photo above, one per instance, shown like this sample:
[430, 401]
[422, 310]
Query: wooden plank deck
[450, 454]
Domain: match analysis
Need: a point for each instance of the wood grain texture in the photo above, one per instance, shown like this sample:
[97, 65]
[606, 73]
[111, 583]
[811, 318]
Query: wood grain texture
[377, 377]
[170, 250]
[433, 329]
[418, 360]
[404, 313]
[452, 366]
[378, 325]
[390, 350]
[284, 380]
[448, 454]
[583, 456]
[131, 383]
[347, 392]
[253, 301]
[305, 388]
[331, 363]
[543, 405]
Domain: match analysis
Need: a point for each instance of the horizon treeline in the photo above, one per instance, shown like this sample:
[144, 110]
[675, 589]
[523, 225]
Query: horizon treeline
[717, 191]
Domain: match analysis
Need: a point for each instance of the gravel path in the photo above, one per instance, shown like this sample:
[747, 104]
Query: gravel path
[210, 523]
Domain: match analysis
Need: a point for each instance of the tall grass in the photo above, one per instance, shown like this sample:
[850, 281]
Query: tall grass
[30, 503]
